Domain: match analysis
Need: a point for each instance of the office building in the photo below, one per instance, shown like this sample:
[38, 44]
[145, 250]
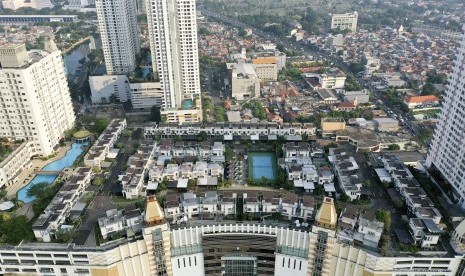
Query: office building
[266, 68]
[34, 94]
[117, 20]
[173, 41]
[245, 82]
[107, 88]
[448, 144]
[346, 21]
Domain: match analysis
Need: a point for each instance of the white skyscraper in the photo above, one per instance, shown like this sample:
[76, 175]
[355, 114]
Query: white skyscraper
[34, 96]
[447, 150]
[120, 36]
[172, 27]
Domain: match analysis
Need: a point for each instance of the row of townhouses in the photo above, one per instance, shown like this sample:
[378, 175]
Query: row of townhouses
[345, 169]
[226, 203]
[53, 219]
[233, 131]
[213, 152]
[424, 218]
[133, 180]
[203, 172]
[100, 149]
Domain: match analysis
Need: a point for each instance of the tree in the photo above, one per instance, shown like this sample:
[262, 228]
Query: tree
[127, 133]
[202, 136]
[37, 190]
[428, 89]
[345, 198]
[15, 230]
[98, 181]
[242, 33]
[191, 183]
[228, 153]
[219, 113]
[394, 147]
[3, 193]
[385, 217]
[155, 114]
[164, 184]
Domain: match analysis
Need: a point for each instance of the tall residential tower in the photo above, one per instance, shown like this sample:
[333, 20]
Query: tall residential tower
[34, 96]
[172, 27]
[120, 36]
[448, 144]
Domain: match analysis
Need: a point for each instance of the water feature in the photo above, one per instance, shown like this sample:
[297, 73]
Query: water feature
[72, 59]
[65, 162]
[187, 104]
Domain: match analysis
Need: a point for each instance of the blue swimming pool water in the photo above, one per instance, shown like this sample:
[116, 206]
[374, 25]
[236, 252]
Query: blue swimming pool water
[65, 162]
[187, 104]
[145, 71]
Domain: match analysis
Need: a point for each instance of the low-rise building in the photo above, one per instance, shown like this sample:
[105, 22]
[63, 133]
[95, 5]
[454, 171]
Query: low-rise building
[100, 149]
[369, 231]
[128, 222]
[104, 88]
[145, 95]
[330, 125]
[333, 79]
[133, 180]
[54, 216]
[424, 231]
[14, 162]
[386, 124]
[422, 102]
[345, 168]
[266, 68]
[230, 131]
[357, 97]
[245, 82]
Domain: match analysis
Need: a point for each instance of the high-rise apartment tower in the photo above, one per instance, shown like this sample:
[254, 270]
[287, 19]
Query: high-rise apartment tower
[448, 145]
[172, 27]
[34, 96]
[117, 20]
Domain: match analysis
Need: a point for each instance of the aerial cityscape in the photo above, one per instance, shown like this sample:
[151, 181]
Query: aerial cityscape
[236, 138]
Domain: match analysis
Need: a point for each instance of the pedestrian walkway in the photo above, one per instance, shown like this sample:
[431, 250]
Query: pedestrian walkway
[28, 173]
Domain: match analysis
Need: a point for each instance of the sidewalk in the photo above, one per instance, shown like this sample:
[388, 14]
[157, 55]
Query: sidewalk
[28, 173]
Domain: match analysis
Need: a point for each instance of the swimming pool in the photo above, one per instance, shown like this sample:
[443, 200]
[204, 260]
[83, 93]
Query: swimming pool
[262, 164]
[67, 161]
[187, 104]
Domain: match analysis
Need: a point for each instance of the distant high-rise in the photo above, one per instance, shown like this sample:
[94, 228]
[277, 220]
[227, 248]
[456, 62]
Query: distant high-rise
[172, 27]
[34, 96]
[120, 36]
[35, 4]
[448, 145]
[345, 21]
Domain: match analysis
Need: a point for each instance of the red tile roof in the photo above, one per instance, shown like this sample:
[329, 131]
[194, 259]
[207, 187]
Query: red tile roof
[422, 99]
